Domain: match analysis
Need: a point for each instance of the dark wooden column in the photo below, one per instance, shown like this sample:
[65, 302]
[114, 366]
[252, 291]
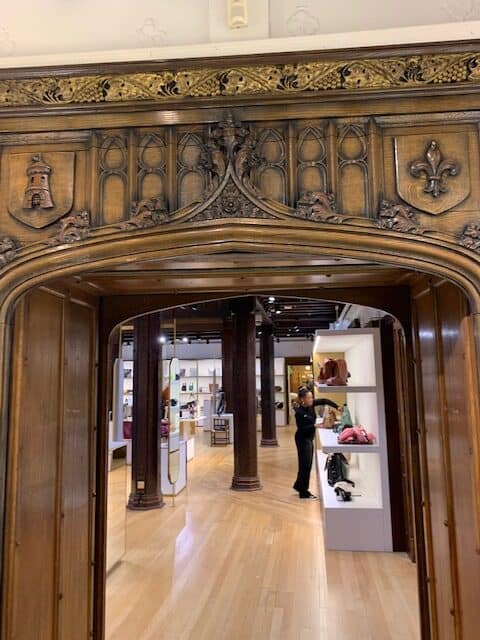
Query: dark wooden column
[245, 474]
[267, 372]
[227, 362]
[147, 360]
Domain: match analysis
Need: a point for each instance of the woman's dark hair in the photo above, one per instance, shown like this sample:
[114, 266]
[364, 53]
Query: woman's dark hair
[303, 391]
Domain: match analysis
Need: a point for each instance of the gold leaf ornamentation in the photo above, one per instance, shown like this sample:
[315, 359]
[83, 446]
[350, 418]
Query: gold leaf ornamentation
[395, 72]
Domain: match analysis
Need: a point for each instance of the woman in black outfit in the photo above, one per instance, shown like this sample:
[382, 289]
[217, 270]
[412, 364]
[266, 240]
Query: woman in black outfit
[305, 417]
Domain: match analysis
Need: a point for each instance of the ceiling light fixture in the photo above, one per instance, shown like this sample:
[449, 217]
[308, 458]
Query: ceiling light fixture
[184, 339]
[162, 339]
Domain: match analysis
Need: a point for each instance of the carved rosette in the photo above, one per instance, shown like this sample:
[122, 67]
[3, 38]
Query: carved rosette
[470, 238]
[231, 203]
[73, 228]
[8, 250]
[146, 213]
[397, 217]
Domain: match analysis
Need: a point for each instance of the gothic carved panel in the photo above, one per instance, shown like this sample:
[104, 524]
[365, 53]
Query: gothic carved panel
[45, 194]
[151, 166]
[311, 160]
[270, 176]
[352, 157]
[113, 179]
[432, 174]
[191, 172]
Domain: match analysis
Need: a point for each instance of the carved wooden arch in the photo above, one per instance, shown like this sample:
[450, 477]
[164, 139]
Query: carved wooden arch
[234, 216]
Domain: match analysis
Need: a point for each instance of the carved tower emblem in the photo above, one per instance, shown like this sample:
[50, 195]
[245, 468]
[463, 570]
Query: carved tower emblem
[37, 193]
[48, 194]
[432, 175]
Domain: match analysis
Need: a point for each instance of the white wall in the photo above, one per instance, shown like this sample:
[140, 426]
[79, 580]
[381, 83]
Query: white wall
[74, 31]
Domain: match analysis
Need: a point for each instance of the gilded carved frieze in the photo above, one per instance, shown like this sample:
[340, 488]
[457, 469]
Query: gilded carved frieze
[392, 72]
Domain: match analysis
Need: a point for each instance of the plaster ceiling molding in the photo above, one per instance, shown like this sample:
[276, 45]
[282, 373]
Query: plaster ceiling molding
[150, 34]
[302, 22]
[7, 45]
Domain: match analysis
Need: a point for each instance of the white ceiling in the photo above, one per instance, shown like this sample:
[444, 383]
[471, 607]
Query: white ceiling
[73, 31]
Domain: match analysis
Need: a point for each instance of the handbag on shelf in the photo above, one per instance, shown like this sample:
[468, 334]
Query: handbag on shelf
[329, 418]
[337, 476]
[355, 435]
[334, 372]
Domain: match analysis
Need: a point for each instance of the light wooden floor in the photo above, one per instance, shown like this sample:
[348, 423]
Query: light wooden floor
[226, 565]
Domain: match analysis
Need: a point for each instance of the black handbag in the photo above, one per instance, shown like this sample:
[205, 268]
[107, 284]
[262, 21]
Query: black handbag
[336, 466]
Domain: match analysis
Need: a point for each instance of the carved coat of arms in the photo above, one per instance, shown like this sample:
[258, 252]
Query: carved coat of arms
[432, 173]
[40, 190]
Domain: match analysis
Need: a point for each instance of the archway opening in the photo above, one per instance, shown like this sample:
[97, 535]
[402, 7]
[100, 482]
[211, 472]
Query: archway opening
[122, 291]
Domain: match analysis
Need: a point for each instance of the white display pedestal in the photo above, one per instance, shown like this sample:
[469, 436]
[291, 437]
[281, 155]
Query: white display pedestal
[364, 524]
[190, 449]
[167, 487]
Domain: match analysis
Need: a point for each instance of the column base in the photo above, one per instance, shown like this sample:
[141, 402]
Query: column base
[269, 442]
[246, 484]
[142, 502]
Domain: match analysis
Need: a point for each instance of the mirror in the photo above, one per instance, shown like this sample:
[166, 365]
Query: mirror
[174, 420]
[117, 461]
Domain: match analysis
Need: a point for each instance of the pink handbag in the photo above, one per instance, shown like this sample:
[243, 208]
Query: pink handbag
[355, 435]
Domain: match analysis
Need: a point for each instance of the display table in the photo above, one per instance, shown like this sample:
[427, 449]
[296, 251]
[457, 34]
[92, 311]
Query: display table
[167, 487]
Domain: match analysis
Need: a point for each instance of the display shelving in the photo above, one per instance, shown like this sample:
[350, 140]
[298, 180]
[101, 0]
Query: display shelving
[364, 524]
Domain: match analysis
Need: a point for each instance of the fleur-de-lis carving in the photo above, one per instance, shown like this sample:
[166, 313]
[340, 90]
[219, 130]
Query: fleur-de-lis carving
[435, 168]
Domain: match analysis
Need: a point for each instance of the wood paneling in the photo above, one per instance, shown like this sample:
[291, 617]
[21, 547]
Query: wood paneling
[453, 312]
[49, 531]
[445, 345]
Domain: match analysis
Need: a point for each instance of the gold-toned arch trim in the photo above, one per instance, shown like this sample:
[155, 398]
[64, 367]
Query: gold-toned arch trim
[392, 72]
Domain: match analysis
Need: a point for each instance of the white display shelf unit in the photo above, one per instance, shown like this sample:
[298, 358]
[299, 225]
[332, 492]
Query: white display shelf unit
[197, 380]
[364, 524]
[280, 396]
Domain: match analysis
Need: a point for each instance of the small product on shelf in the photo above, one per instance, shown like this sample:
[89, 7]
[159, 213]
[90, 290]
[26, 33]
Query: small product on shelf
[355, 435]
[336, 467]
[334, 373]
[345, 421]
[329, 418]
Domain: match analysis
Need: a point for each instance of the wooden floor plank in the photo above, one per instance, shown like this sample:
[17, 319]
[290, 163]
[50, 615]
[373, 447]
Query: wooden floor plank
[251, 566]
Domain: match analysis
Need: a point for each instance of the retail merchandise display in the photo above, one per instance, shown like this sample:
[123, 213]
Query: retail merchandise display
[351, 453]
[334, 372]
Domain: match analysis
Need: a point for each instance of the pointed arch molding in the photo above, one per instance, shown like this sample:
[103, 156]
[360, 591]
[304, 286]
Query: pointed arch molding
[323, 73]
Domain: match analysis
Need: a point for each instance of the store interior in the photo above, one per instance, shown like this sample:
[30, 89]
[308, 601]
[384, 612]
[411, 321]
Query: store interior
[353, 521]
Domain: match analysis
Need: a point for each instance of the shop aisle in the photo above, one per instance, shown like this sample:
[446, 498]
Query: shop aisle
[222, 564]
